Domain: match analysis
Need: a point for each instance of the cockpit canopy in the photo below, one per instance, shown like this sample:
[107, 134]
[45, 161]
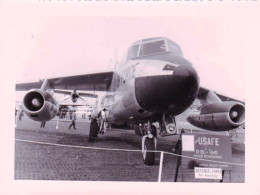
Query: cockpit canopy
[147, 48]
[152, 46]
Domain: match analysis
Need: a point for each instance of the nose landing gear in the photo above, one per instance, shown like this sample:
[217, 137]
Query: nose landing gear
[148, 145]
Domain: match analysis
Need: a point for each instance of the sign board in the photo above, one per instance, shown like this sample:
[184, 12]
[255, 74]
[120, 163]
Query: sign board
[207, 173]
[201, 147]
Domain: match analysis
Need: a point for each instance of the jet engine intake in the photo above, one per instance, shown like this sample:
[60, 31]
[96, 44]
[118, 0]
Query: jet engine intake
[39, 105]
[221, 116]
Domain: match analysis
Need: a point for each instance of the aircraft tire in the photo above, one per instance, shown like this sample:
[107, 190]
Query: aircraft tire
[137, 130]
[93, 131]
[149, 157]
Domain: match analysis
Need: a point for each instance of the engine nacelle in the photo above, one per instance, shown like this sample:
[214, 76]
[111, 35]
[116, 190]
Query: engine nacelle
[39, 105]
[221, 116]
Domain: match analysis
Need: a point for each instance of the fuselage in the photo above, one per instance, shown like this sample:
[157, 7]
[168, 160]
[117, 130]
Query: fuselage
[153, 79]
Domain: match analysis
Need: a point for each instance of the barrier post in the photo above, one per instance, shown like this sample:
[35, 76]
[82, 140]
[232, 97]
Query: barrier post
[223, 172]
[57, 125]
[178, 164]
[160, 168]
[179, 147]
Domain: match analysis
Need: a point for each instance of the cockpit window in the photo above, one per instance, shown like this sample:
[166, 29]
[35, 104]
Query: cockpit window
[133, 52]
[174, 48]
[152, 48]
[148, 48]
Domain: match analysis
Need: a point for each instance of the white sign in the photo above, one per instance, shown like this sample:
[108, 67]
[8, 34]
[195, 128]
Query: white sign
[188, 143]
[207, 173]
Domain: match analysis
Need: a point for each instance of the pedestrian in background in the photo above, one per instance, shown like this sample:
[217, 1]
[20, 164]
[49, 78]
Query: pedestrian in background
[43, 124]
[73, 119]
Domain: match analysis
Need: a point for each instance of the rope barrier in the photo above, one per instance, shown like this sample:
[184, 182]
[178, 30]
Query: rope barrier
[125, 150]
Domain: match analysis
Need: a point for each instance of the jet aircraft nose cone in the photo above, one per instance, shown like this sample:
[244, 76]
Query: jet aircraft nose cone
[185, 81]
[168, 93]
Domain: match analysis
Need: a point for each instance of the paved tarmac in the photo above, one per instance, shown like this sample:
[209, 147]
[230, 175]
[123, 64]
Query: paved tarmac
[60, 160]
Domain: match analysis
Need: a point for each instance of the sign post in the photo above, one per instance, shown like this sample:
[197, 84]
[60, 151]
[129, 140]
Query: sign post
[207, 153]
[178, 149]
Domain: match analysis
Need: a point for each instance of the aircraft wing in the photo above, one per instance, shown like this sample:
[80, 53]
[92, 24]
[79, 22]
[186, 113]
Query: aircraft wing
[73, 104]
[63, 91]
[85, 94]
[208, 96]
[89, 82]
[28, 86]
[226, 98]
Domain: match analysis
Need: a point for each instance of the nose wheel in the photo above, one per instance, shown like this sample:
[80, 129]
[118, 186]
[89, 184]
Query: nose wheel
[149, 157]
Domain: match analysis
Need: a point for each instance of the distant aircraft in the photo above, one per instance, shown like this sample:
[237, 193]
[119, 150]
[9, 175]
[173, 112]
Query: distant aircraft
[153, 83]
[74, 94]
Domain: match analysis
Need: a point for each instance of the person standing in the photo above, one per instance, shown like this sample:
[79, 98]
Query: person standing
[73, 119]
[20, 115]
[43, 124]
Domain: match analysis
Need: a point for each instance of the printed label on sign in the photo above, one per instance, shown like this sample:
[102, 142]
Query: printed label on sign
[206, 151]
[188, 143]
[207, 173]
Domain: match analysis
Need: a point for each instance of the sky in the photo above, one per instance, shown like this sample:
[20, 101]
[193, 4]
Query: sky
[53, 45]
